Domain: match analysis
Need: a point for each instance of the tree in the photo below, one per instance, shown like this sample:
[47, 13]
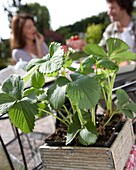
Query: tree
[40, 13]
[11, 8]
[4, 53]
[94, 33]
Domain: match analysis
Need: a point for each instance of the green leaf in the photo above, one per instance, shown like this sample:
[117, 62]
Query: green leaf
[56, 59]
[119, 106]
[14, 86]
[87, 66]
[22, 115]
[124, 56]
[105, 63]
[86, 116]
[89, 60]
[33, 93]
[42, 106]
[84, 91]
[71, 133]
[43, 96]
[53, 65]
[50, 63]
[72, 69]
[122, 97]
[128, 113]
[54, 74]
[34, 63]
[37, 80]
[6, 101]
[54, 46]
[73, 129]
[131, 106]
[67, 63]
[57, 92]
[87, 137]
[115, 45]
[29, 74]
[95, 50]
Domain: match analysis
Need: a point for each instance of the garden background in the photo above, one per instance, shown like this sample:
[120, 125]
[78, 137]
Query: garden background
[89, 29]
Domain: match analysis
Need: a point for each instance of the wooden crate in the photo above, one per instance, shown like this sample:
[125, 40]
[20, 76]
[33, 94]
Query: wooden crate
[90, 158]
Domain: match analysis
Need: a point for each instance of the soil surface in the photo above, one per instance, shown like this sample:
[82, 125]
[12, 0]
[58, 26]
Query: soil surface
[106, 135]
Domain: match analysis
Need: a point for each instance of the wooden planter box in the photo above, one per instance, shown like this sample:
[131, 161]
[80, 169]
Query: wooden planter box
[90, 158]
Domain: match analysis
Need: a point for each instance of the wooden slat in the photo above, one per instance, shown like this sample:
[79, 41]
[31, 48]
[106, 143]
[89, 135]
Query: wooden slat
[123, 145]
[90, 158]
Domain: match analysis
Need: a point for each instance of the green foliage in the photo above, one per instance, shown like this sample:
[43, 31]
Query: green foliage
[21, 109]
[77, 55]
[64, 87]
[124, 104]
[106, 66]
[5, 56]
[94, 33]
[57, 92]
[83, 92]
[66, 32]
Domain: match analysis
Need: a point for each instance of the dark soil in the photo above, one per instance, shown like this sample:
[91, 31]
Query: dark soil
[106, 135]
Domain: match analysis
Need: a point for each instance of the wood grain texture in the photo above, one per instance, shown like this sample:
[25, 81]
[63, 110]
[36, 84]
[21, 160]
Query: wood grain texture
[90, 158]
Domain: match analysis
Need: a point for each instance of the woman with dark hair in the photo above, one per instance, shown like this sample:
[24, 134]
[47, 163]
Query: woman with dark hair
[26, 42]
[122, 26]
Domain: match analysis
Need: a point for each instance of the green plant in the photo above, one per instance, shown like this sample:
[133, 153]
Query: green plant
[76, 86]
[106, 64]
[94, 33]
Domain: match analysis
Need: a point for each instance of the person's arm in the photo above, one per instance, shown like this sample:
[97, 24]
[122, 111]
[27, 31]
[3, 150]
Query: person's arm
[39, 41]
[18, 54]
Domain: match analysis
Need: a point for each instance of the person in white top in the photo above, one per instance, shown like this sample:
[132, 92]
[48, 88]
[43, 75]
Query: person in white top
[26, 41]
[122, 25]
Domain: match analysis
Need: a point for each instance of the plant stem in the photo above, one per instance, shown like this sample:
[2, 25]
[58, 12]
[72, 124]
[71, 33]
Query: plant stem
[54, 116]
[64, 117]
[108, 120]
[69, 114]
[93, 116]
[111, 80]
[80, 116]
[113, 113]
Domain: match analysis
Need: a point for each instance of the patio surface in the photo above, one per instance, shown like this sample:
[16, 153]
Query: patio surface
[31, 142]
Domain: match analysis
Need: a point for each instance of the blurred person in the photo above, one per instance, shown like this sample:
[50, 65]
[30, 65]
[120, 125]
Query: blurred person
[26, 42]
[123, 25]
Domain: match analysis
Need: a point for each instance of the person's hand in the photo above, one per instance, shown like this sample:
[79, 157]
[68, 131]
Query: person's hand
[39, 38]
